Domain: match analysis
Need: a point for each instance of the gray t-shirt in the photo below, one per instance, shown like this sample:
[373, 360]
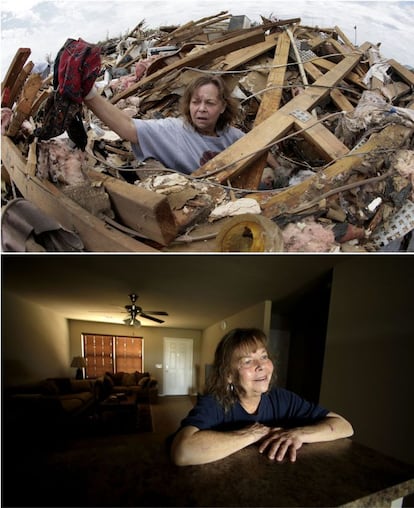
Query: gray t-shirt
[177, 145]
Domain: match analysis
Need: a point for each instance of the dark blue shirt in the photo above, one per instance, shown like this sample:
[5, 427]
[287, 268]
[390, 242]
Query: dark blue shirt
[277, 408]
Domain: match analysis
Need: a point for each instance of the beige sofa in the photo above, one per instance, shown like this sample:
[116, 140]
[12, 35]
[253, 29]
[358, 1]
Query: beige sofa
[141, 383]
[51, 400]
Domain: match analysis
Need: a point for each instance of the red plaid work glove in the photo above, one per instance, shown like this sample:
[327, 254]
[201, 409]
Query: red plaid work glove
[77, 66]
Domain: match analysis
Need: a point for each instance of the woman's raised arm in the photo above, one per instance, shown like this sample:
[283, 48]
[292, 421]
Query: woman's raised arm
[113, 117]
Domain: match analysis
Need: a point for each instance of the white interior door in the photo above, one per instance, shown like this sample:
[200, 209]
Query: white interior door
[178, 366]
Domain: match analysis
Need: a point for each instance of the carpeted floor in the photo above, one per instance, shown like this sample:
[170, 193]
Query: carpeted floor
[95, 465]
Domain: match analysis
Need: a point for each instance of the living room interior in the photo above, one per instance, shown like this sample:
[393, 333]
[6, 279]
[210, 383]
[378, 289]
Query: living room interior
[340, 328]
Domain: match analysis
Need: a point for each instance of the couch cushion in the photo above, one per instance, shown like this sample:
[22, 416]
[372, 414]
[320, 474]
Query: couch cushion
[73, 403]
[80, 385]
[49, 387]
[63, 383]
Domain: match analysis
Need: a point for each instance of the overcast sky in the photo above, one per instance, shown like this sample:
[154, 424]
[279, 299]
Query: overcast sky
[44, 26]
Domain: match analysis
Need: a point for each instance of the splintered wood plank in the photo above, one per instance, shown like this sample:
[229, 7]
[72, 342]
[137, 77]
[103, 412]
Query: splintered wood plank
[26, 100]
[202, 57]
[12, 75]
[146, 212]
[271, 100]
[402, 71]
[20, 81]
[234, 159]
[239, 57]
[95, 234]
[193, 28]
[310, 190]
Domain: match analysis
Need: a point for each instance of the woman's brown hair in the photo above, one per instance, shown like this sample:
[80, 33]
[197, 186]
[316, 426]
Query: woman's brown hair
[230, 114]
[217, 384]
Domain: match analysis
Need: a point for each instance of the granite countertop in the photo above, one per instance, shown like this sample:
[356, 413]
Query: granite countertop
[135, 470]
[339, 473]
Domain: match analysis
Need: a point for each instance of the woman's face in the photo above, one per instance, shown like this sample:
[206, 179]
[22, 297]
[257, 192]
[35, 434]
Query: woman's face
[205, 108]
[255, 370]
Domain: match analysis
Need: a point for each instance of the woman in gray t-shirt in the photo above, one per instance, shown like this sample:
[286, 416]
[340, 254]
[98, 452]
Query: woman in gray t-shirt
[186, 143]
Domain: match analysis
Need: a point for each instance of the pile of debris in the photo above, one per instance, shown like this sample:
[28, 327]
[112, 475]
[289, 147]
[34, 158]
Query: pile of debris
[337, 119]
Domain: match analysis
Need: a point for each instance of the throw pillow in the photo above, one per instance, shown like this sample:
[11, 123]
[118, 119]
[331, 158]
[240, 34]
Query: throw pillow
[128, 379]
[107, 385]
[108, 382]
[116, 377]
[143, 382]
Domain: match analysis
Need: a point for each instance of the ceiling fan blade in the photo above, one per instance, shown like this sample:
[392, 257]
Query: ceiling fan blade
[155, 312]
[146, 316]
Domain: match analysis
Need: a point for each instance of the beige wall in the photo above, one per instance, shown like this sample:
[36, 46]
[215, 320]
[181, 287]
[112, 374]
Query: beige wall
[368, 368]
[35, 342]
[257, 316]
[153, 342]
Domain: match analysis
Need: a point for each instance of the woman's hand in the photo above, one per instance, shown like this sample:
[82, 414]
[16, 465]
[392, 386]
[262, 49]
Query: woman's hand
[281, 442]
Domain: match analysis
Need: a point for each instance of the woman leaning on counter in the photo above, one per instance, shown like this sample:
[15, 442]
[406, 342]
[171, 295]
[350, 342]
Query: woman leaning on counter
[241, 406]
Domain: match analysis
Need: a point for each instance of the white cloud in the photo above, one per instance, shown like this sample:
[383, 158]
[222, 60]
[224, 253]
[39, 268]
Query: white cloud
[45, 25]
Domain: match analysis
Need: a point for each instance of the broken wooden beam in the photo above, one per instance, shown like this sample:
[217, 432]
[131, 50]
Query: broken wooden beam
[271, 100]
[336, 95]
[309, 192]
[20, 81]
[95, 234]
[13, 72]
[403, 72]
[239, 57]
[24, 106]
[146, 212]
[234, 159]
[200, 58]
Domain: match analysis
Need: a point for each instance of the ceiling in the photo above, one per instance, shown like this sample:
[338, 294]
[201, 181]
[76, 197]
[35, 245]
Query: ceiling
[195, 290]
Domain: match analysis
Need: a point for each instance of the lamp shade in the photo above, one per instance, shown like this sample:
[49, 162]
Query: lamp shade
[78, 362]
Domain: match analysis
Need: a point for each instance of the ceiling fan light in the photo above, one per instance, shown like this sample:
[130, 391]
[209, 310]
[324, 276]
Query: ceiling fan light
[131, 321]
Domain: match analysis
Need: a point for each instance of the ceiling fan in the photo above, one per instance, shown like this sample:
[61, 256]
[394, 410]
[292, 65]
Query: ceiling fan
[135, 311]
